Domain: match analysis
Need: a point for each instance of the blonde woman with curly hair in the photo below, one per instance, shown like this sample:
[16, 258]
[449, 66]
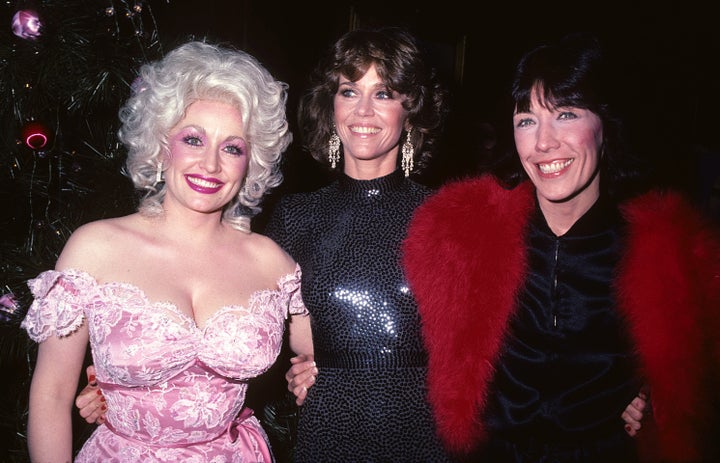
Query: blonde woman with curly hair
[181, 303]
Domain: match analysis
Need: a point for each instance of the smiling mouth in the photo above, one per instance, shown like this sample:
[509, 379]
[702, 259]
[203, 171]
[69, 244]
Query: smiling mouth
[364, 130]
[554, 167]
[202, 183]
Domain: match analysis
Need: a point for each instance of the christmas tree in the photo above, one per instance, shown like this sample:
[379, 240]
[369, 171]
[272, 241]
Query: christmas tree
[66, 66]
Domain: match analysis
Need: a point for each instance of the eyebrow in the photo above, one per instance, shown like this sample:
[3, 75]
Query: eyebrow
[204, 133]
[351, 83]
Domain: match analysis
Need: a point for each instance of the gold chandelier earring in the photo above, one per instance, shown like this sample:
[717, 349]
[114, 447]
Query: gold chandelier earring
[408, 153]
[334, 150]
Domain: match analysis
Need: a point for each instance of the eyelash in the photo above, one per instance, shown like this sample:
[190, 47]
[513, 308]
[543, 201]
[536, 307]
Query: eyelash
[381, 94]
[567, 115]
[562, 115]
[192, 140]
[239, 151]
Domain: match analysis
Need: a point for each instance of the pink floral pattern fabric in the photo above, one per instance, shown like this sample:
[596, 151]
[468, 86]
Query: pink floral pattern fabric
[175, 392]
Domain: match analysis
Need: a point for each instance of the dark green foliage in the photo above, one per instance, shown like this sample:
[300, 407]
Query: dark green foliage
[72, 79]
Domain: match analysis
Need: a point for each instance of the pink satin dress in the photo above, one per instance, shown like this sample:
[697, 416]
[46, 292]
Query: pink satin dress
[175, 392]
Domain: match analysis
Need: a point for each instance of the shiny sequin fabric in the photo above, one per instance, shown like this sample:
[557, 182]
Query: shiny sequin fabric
[369, 402]
[175, 392]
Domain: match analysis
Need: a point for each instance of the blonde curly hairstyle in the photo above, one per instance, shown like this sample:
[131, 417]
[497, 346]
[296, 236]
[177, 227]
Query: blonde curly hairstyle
[198, 70]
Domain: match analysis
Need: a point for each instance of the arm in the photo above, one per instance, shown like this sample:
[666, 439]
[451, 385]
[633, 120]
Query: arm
[82, 251]
[302, 372]
[52, 391]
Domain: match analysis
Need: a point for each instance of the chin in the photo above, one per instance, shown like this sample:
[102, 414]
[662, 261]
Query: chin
[558, 197]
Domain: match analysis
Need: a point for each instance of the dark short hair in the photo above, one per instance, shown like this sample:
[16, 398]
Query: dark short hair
[574, 71]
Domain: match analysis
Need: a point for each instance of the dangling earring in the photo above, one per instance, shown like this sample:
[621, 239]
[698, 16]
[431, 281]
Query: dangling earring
[158, 173]
[407, 155]
[334, 149]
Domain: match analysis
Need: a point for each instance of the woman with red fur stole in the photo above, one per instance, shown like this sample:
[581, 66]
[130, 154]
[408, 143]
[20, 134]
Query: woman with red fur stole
[551, 297]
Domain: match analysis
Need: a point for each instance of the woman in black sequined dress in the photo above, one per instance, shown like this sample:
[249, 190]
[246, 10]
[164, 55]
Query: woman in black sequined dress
[374, 113]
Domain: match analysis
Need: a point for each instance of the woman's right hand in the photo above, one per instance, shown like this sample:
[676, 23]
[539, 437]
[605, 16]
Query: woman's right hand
[301, 375]
[634, 413]
[90, 401]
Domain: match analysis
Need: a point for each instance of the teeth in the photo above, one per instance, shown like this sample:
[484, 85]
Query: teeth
[364, 129]
[203, 183]
[555, 166]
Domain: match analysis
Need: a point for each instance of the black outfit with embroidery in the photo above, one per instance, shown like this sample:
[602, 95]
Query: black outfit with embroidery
[369, 402]
[559, 378]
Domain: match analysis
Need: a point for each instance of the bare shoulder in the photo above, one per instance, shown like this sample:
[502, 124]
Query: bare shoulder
[269, 254]
[92, 244]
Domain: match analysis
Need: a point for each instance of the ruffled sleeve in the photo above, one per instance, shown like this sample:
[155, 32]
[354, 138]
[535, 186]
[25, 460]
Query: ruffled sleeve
[58, 305]
[290, 287]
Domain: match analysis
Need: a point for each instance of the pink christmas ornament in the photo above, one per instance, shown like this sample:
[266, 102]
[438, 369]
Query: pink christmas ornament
[35, 135]
[26, 24]
[8, 306]
[7, 303]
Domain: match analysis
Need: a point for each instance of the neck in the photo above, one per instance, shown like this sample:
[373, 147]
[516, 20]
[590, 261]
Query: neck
[368, 169]
[561, 216]
[190, 225]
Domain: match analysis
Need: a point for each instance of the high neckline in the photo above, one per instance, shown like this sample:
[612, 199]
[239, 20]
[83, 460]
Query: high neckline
[602, 215]
[371, 188]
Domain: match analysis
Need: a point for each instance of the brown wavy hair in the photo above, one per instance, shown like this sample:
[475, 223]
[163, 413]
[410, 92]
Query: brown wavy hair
[402, 65]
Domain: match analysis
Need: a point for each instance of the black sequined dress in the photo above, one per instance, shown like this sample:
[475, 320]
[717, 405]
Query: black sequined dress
[369, 402]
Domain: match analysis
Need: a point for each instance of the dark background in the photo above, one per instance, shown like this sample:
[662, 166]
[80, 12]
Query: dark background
[666, 53]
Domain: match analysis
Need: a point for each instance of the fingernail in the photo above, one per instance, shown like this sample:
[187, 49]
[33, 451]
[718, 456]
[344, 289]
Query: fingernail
[628, 428]
[102, 398]
[103, 407]
[98, 392]
[91, 380]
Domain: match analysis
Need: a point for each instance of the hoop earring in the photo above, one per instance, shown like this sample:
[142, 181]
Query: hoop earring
[334, 150]
[158, 173]
[407, 161]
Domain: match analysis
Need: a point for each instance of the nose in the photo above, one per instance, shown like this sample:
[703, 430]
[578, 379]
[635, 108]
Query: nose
[365, 106]
[210, 160]
[546, 138]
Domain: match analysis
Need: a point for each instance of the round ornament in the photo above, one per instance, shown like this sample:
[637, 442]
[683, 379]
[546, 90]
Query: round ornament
[26, 24]
[35, 135]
